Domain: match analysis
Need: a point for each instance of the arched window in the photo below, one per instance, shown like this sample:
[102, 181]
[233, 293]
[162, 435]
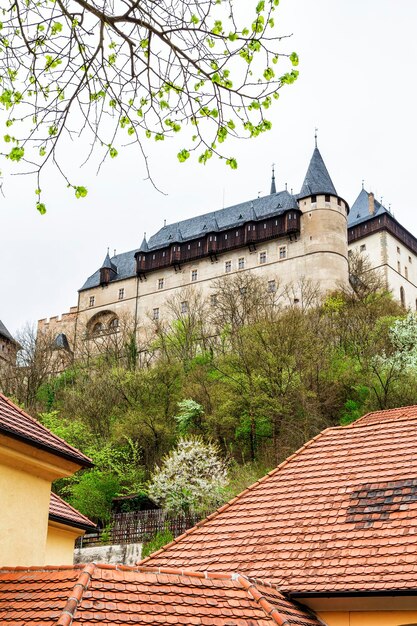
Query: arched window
[402, 296]
[98, 328]
[114, 324]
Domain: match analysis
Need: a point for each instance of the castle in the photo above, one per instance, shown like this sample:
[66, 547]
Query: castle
[280, 238]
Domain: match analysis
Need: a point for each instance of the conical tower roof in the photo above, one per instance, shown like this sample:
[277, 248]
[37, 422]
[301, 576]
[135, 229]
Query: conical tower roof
[273, 186]
[144, 245]
[107, 264]
[317, 179]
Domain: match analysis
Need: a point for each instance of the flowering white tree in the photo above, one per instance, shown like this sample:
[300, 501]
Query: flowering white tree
[191, 477]
[400, 357]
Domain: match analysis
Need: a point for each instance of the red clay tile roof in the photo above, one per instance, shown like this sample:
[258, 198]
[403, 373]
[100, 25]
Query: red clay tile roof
[405, 412]
[61, 511]
[15, 423]
[104, 594]
[340, 515]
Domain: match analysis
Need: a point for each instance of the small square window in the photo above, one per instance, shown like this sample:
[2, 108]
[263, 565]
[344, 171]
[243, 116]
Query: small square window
[327, 198]
[241, 263]
[398, 250]
[156, 314]
[406, 272]
[161, 283]
[272, 287]
[225, 237]
[199, 244]
[91, 301]
[313, 199]
[362, 248]
[283, 252]
[237, 233]
[194, 275]
[121, 293]
[184, 307]
[262, 257]
[228, 267]
[339, 202]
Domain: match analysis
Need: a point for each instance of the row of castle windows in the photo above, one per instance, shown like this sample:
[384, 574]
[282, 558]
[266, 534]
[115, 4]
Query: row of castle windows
[271, 286]
[262, 258]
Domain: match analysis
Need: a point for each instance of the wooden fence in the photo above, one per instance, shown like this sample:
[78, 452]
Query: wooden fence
[139, 526]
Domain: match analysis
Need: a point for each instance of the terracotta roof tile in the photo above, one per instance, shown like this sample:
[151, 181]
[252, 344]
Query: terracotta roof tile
[15, 423]
[337, 516]
[61, 511]
[105, 594]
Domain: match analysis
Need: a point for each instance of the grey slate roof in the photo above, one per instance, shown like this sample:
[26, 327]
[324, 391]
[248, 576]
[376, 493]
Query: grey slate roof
[126, 267]
[61, 343]
[194, 227]
[223, 219]
[317, 179]
[5, 333]
[359, 211]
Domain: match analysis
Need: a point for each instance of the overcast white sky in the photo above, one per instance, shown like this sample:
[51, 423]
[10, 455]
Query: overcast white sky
[357, 83]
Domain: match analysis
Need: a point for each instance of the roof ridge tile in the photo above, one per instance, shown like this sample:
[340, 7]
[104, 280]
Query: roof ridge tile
[68, 613]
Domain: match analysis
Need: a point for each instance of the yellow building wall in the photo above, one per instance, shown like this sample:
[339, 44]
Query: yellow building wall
[60, 544]
[369, 618]
[24, 517]
[26, 474]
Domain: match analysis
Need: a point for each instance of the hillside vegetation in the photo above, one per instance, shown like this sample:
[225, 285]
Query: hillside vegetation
[251, 372]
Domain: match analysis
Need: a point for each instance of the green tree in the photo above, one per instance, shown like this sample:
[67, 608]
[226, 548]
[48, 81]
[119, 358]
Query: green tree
[141, 71]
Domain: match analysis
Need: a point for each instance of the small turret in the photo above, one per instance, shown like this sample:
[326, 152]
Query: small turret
[273, 186]
[108, 270]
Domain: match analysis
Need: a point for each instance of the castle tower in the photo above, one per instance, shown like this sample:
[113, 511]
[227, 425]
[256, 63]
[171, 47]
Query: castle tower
[323, 227]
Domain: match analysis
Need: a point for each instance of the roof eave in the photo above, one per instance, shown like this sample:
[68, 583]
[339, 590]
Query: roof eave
[83, 462]
[72, 523]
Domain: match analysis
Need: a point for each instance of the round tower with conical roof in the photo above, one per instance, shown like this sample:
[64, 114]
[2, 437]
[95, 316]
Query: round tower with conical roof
[323, 227]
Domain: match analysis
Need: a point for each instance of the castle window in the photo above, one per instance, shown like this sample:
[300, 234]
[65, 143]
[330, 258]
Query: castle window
[410, 260]
[194, 275]
[228, 267]
[163, 253]
[290, 216]
[262, 257]
[114, 324]
[283, 252]
[161, 283]
[399, 267]
[98, 328]
[189, 247]
[264, 226]
[241, 263]
[237, 233]
[398, 250]
[313, 199]
[155, 314]
[121, 293]
[153, 257]
[91, 301]
[184, 307]
[339, 202]
[402, 296]
[213, 299]
[362, 248]
[327, 198]
[272, 287]
[406, 272]
[225, 237]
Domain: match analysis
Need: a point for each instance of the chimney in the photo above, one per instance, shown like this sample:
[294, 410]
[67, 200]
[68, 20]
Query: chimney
[371, 204]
